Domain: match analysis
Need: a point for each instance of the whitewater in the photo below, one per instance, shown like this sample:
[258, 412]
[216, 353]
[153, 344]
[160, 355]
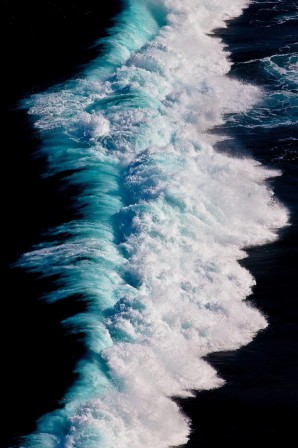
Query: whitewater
[163, 220]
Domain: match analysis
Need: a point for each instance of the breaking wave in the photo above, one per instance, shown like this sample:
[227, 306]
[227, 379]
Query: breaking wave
[164, 220]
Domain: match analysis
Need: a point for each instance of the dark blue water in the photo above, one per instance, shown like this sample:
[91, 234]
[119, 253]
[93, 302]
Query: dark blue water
[258, 404]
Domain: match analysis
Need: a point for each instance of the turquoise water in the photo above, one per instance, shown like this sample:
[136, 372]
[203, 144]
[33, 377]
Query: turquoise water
[163, 220]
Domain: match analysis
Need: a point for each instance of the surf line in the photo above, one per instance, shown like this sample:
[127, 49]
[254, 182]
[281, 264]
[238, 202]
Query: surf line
[163, 222]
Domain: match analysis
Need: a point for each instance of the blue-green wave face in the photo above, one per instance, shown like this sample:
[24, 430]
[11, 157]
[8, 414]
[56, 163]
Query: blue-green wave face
[164, 220]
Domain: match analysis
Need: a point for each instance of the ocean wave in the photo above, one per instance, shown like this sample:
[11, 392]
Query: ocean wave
[165, 220]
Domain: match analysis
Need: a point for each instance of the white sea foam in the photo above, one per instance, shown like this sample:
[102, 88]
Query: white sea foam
[166, 221]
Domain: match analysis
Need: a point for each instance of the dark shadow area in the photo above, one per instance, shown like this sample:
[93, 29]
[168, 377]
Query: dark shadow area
[44, 42]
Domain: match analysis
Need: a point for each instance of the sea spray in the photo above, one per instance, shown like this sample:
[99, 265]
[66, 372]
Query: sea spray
[163, 222]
